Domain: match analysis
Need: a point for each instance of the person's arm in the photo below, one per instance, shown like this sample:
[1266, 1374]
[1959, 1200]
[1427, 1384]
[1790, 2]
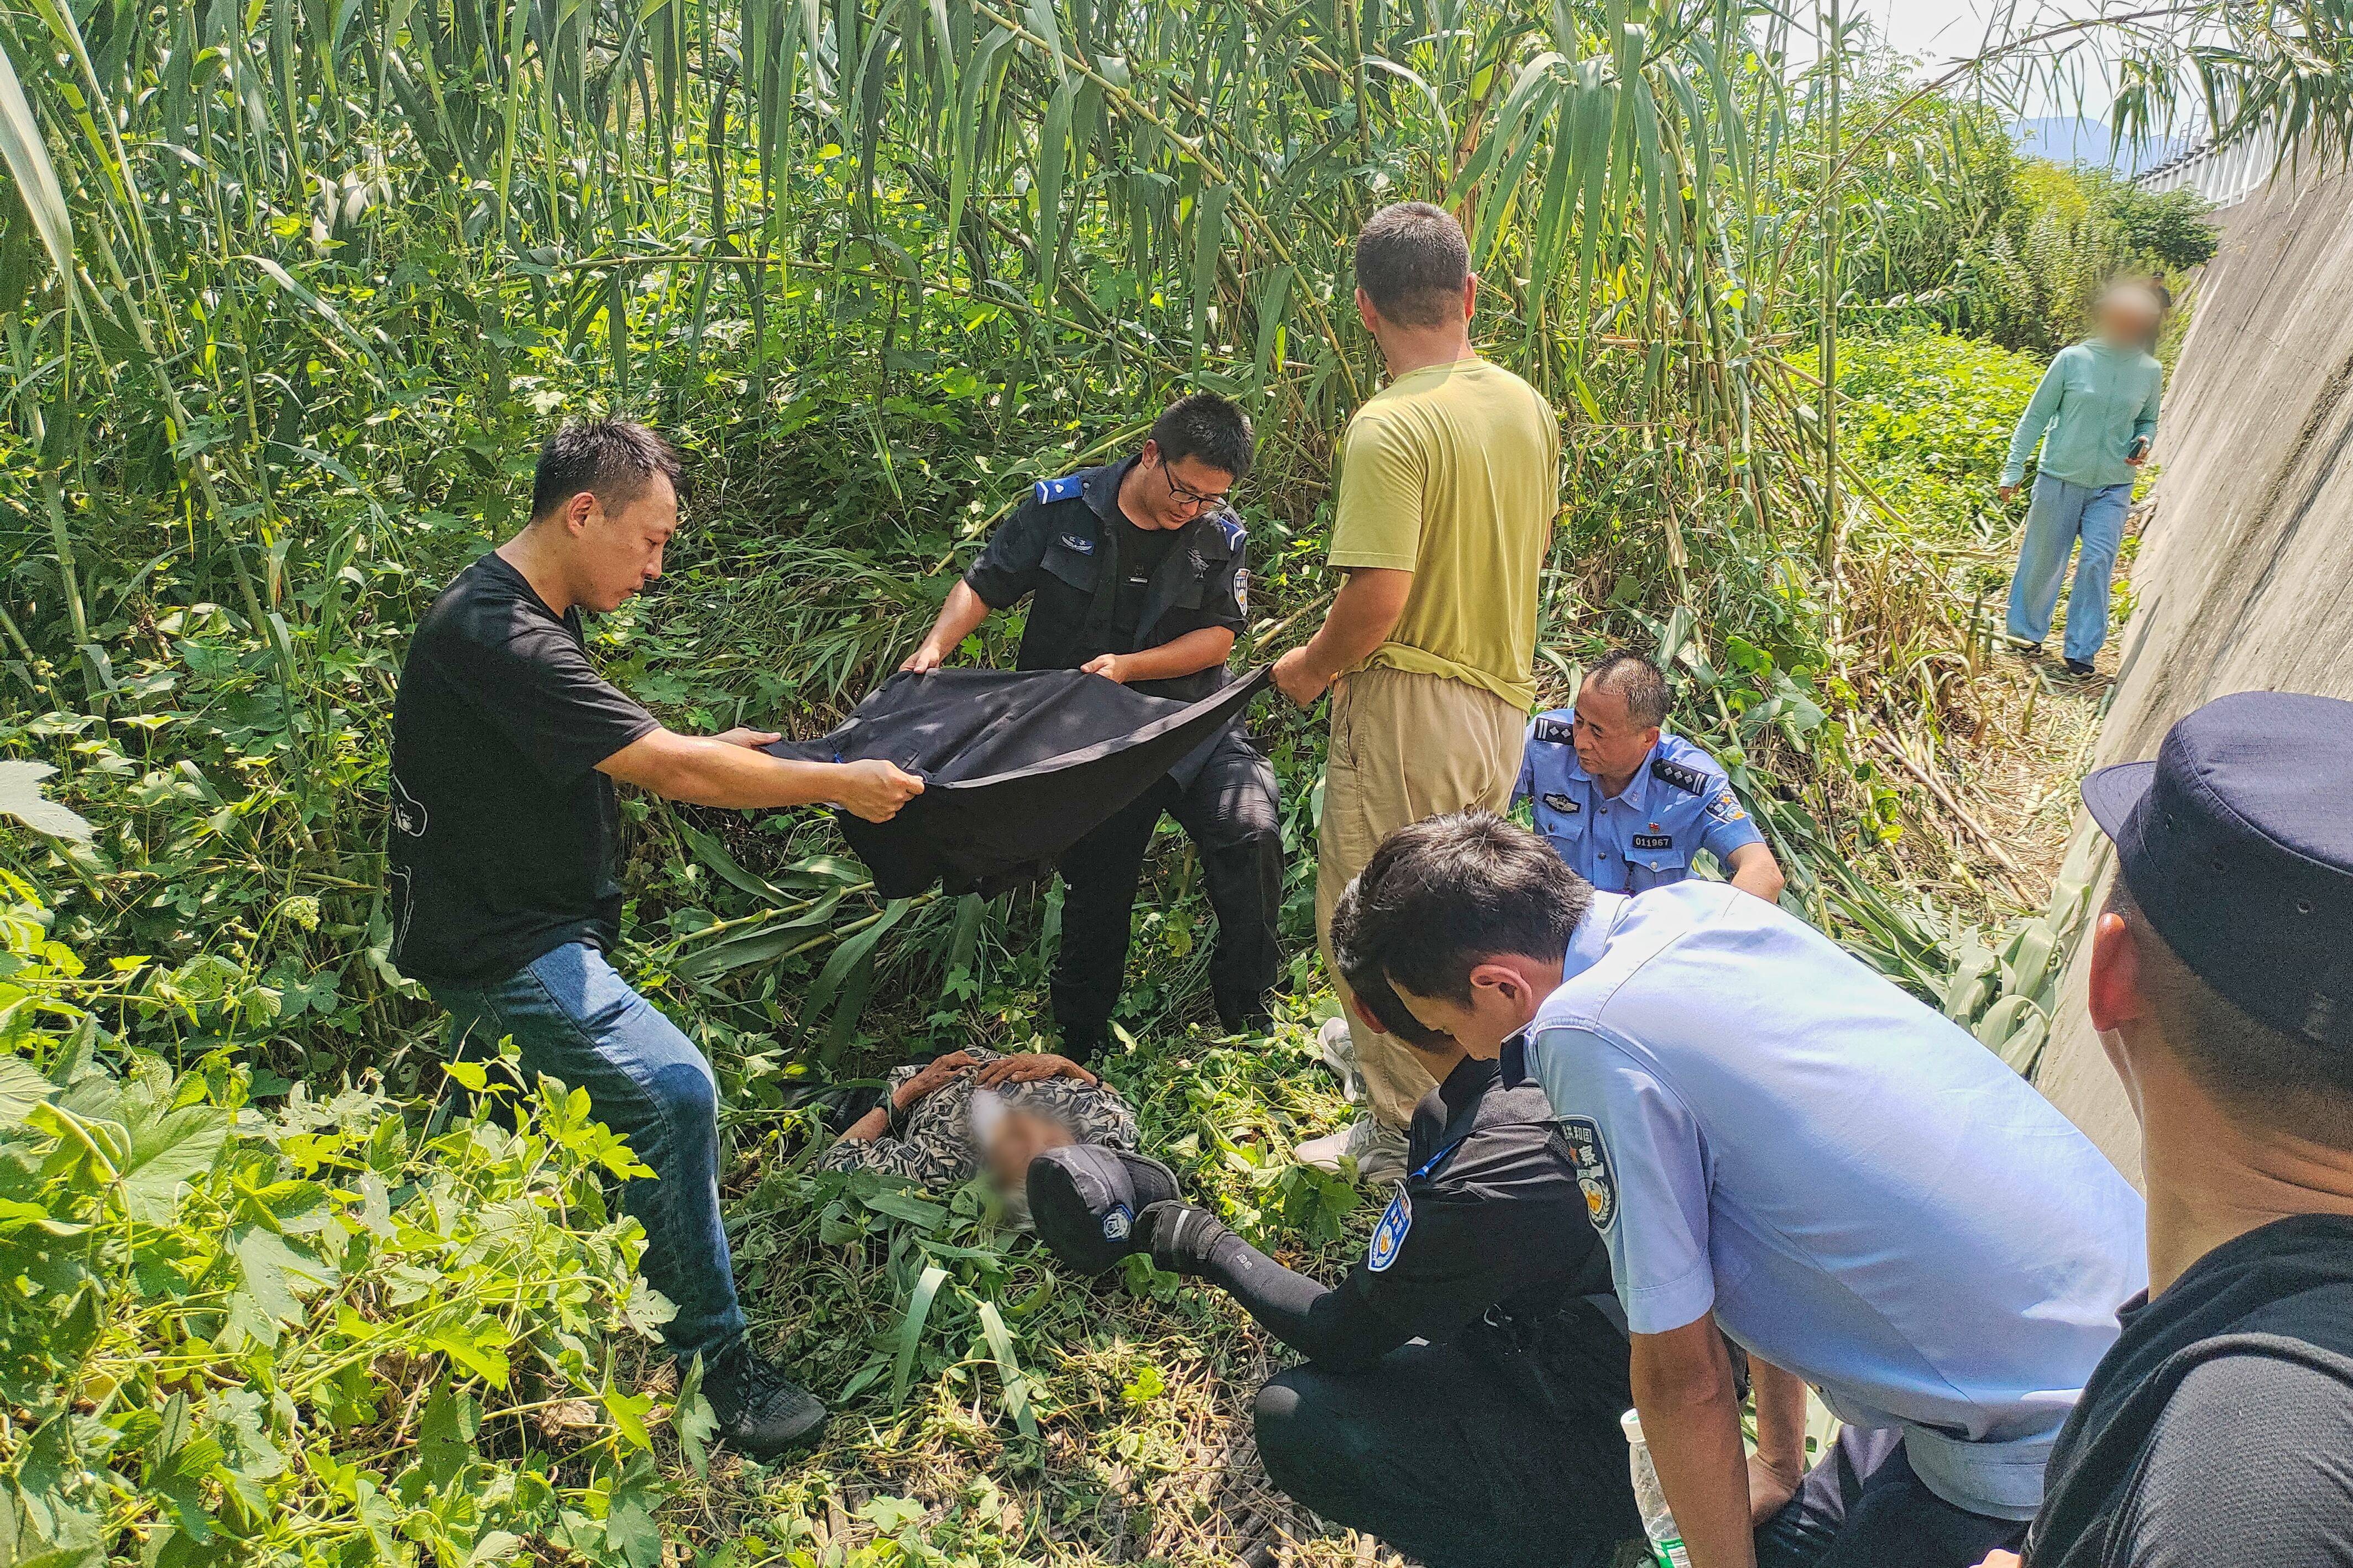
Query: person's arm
[1690, 1419]
[1525, 786]
[1033, 1067]
[731, 771]
[1361, 618]
[1778, 1466]
[1205, 648]
[2145, 428]
[959, 617]
[1336, 1328]
[2041, 409]
[1754, 871]
[862, 1145]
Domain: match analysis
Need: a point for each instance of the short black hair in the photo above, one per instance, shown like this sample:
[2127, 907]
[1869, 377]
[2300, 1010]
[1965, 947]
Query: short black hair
[614, 459]
[1445, 894]
[1375, 997]
[1622, 672]
[1204, 426]
[2261, 1076]
[1411, 262]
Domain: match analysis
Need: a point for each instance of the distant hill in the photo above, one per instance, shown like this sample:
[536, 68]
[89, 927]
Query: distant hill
[2067, 139]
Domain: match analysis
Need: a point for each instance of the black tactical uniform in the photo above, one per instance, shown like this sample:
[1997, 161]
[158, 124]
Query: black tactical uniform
[1464, 1383]
[1065, 546]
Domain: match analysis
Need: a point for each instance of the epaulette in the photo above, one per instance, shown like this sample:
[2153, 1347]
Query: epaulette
[1689, 780]
[1234, 532]
[1556, 731]
[1047, 491]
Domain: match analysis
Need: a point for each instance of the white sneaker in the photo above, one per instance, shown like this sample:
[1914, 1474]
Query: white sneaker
[1339, 1048]
[1378, 1151]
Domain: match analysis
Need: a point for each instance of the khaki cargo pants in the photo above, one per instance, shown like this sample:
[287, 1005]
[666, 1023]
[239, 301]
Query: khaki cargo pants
[1405, 745]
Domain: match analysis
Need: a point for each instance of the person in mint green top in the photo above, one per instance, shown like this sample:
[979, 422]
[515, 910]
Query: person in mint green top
[2094, 413]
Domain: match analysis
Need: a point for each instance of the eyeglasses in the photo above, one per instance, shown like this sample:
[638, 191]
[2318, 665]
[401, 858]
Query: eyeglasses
[1186, 492]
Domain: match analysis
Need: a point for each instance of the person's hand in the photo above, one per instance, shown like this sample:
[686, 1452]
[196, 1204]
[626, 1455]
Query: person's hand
[935, 1075]
[874, 789]
[1109, 665]
[924, 660]
[2007, 492]
[2002, 1560]
[754, 739]
[1030, 1066]
[1770, 1486]
[1297, 679]
[2137, 458]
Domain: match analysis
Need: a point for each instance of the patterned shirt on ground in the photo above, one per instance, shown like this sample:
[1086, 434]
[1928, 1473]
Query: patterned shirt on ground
[1452, 472]
[2095, 401]
[936, 1148]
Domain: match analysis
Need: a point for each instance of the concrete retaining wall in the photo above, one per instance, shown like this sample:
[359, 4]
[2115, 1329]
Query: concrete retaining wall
[2244, 580]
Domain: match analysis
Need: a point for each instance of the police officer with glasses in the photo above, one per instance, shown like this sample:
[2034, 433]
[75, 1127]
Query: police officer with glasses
[1136, 572]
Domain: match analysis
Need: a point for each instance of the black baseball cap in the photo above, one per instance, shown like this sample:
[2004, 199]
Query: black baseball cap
[2237, 844]
[1083, 1200]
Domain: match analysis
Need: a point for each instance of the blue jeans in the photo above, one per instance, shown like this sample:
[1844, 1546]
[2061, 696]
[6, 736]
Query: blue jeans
[2059, 514]
[573, 1018]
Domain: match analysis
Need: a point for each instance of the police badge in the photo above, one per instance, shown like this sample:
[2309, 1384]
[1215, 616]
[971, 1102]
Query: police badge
[1388, 1235]
[1118, 1222]
[1595, 1178]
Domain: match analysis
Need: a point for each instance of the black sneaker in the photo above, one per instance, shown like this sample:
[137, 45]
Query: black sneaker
[2078, 666]
[2026, 649]
[762, 1414]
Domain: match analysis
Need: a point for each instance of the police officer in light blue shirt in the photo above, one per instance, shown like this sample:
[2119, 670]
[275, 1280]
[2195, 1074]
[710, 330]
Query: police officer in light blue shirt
[1776, 1142]
[1626, 806]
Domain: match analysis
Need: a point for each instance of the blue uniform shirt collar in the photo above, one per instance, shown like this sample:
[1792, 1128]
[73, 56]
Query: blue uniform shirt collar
[1587, 943]
[1637, 788]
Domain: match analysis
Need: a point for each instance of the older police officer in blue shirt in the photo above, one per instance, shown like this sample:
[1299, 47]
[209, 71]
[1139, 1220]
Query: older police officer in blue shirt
[1627, 805]
[1776, 1142]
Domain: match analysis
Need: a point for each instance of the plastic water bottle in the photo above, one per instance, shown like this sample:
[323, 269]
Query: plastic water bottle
[1651, 1498]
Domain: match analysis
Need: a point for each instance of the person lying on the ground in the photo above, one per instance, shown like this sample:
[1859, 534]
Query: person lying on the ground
[1628, 805]
[1465, 1382]
[2219, 1428]
[943, 1122]
[1780, 1144]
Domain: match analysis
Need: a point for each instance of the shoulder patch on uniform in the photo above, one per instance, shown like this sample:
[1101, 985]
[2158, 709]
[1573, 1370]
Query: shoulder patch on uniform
[1560, 733]
[1689, 780]
[1562, 803]
[1595, 1176]
[1725, 807]
[1242, 589]
[1388, 1237]
[1048, 490]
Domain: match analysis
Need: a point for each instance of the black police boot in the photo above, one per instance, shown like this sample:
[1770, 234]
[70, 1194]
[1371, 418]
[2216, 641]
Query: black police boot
[763, 1414]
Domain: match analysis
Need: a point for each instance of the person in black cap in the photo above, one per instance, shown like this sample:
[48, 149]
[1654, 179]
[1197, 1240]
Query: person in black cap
[1138, 573]
[1464, 1385]
[2219, 1428]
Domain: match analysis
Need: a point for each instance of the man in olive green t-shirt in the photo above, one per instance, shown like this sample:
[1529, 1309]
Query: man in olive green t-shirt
[1450, 477]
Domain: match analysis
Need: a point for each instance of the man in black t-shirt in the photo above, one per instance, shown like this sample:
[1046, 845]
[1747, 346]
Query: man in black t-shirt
[2218, 1431]
[1137, 574]
[1464, 1383]
[506, 743]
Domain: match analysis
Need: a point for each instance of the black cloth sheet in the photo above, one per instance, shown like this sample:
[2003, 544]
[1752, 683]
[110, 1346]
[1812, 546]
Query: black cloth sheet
[1017, 765]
